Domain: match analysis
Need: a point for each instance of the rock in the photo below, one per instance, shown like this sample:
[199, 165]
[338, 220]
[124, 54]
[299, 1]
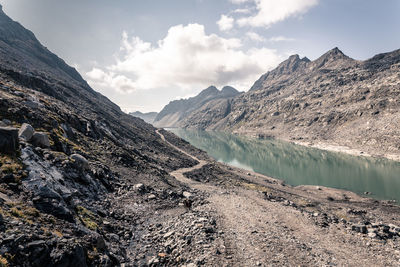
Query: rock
[140, 188]
[359, 228]
[80, 161]
[168, 234]
[8, 140]
[152, 196]
[31, 104]
[41, 140]
[26, 132]
[6, 122]
[187, 194]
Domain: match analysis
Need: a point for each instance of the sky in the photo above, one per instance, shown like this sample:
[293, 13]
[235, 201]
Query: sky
[144, 54]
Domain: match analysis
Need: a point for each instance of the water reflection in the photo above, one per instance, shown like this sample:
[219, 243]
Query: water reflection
[298, 165]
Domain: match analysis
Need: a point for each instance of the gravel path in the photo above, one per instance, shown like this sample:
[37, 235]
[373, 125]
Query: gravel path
[258, 232]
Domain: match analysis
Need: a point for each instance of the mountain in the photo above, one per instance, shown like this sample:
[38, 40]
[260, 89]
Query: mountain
[333, 100]
[147, 117]
[63, 183]
[176, 112]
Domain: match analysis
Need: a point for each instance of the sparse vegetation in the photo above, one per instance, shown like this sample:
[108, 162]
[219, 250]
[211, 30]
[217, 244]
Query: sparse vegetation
[3, 262]
[87, 218]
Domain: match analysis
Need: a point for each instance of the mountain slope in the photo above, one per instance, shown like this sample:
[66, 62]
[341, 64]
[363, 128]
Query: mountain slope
[333, 100]
[147, 117]
[176, 112]
[60, 186]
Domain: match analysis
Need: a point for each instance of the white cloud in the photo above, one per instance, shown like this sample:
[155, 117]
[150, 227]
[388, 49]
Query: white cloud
[186, 58]
[121, 83]
[241, 11]
[240, 1]
[273, 11]
[225, 23]
[281, 39]
[255, 37]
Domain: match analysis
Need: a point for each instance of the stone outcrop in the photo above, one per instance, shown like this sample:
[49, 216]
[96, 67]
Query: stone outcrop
[8, 140]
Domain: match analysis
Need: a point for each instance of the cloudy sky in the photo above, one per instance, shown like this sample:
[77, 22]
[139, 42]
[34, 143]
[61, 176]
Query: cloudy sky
[143, 54]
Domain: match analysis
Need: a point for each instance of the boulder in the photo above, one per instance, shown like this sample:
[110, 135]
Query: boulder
[26, 132]
[41, 140]
[80, 161]
[8, 140]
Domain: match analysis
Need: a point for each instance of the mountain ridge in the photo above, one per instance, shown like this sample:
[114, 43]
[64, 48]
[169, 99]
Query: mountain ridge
[176, 111]
[328, 101]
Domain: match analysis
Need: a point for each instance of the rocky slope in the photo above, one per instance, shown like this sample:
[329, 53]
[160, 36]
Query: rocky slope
[333, 100]
[147, 117]
[76, 151]
[177, 112]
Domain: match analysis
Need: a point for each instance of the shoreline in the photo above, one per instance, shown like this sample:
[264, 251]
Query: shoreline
[329, 147]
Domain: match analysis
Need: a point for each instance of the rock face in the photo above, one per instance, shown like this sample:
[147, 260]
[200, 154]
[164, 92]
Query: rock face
[333, 99]
[60, 188]
[26, 132]
[41, 140]
[8, 140]
[177, 112]
[147, 117]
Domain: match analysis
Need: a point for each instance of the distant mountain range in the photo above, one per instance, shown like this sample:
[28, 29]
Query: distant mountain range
[147, 117]
[333, 100]
[177, 112]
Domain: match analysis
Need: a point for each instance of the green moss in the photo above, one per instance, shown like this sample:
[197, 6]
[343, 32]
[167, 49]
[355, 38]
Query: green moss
[87, 218]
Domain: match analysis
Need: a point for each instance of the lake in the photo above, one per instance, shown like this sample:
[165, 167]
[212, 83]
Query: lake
[299, 165]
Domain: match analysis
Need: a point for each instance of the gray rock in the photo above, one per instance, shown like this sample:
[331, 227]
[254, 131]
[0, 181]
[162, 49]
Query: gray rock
[152, 196]
[26, 132]
[359, 228]
[187, 194]
[6, 122]
[8, 140]
[31, 104]
[41, 140]
[80, 161]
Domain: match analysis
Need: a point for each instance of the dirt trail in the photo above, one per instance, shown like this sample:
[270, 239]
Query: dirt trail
[258, 232]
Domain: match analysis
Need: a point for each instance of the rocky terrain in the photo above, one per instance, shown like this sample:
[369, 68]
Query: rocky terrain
[333, 102]
[177, 112]
[83, 184]
[147, 117]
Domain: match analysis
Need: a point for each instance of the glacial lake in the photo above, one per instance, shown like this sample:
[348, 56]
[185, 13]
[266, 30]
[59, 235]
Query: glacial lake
[299, 165]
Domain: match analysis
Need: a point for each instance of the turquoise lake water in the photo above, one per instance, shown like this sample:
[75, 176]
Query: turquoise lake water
[299, 165]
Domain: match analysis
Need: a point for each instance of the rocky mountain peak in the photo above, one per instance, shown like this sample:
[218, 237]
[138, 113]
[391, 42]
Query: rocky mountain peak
[209, 91]
[229, 90]
[333, 58]
[292, 64]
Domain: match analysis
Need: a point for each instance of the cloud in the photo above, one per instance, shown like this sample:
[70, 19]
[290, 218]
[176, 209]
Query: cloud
[255, 37]
[264, 13]
[186, 58]
[272, 11]
[121, 83]
[225, 23]
[241, 11]
[281, 39]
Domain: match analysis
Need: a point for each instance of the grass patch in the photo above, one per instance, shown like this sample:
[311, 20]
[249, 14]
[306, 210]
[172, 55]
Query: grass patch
[255, 187]
[3, 262]
[87, 217]
[10, 164]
